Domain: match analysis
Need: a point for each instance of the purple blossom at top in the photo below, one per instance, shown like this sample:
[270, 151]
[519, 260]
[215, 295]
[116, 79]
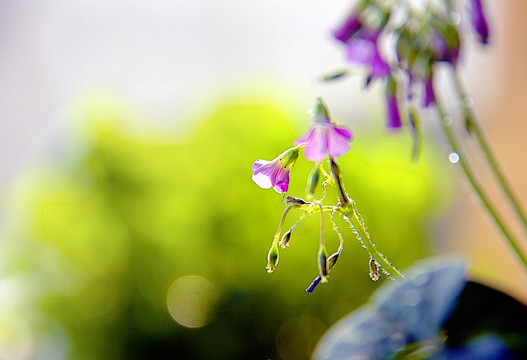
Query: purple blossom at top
[393, 118]
[348, 29]
[479, 22]
[324, 138]
[275, 173]
[363, 49]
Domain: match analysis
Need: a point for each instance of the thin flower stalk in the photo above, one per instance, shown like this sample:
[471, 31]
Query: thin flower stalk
[273, 255]
[473, 127]
[351, 215]
[477, 188]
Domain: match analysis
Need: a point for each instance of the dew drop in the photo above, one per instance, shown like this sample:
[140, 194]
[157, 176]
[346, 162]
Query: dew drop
[454, 18]
[468, 102]
[453, 157]
[447, 120]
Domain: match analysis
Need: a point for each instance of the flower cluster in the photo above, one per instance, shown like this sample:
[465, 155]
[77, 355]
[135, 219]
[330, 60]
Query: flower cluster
[424, 37]
[324, 140]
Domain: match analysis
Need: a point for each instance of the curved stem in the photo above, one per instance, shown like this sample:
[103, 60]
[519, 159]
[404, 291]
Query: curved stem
[281, 225]
[473, 126]
[352, 216]
[468, 173]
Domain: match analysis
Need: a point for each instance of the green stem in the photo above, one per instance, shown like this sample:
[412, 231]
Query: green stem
[468, 173]
[473, 126]
[349, 210]
[350, 213]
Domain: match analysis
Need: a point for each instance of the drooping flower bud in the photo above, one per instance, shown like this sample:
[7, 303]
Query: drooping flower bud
[445, 42]
[296, 201]
[335, 170]
[332, 260]
[284, 242]
[413, 121]
[323, 265]
[313, 180]
[393, 118]
[374, 269]
[272, 258]
[479, 22]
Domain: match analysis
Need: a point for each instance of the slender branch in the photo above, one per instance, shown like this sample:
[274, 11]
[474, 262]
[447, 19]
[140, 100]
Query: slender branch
[468, 173]
[474, 128]
[351, 215]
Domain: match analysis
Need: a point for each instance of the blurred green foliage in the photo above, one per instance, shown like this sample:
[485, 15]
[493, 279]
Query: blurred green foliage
[103, 235]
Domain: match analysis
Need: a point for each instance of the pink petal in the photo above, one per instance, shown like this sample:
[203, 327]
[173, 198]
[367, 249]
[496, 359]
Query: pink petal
[262, 180]
[344, 132]
[282, 181]
[258, 164]
[338, 142]
[307, 137]
[262, 169]
[316, 150]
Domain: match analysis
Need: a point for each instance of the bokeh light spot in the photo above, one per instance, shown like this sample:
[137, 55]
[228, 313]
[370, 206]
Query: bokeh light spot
[453, 158]
[189, 300]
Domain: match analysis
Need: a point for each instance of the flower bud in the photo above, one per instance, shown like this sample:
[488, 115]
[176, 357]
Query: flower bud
[332, 260]
[393, 117]
[313, 180]
[335, 170]
[374, 269]
[272, 259]
[291, 200]
[285, 239]
[320, 111]
[323, 265]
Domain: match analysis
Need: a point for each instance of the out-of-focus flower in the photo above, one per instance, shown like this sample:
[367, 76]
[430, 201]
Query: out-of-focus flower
[324, 137]
[363, 49]
[350, 26]
[393, 117]
[275, 173]
[361, 40]
[445, 44]
[429, 97]
[479, 22]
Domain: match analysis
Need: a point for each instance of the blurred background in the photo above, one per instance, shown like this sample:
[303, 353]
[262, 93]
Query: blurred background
[130, 226]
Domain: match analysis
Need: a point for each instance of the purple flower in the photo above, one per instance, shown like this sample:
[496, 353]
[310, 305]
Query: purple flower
[363, 49]
[349, 28]
[479, 21]
[443, 50]
[324, 137]
[393, 118]
[275, 173]
[430, 97]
